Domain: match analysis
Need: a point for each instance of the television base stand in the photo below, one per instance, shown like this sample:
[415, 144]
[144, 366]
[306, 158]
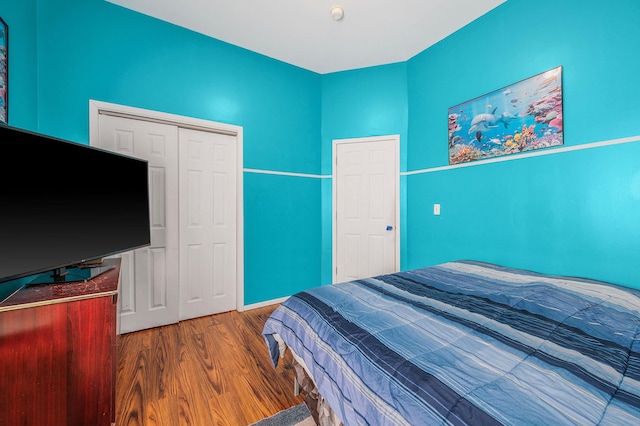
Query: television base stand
[69, 275]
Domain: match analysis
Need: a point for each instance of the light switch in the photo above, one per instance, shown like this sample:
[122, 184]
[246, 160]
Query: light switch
[436, 209]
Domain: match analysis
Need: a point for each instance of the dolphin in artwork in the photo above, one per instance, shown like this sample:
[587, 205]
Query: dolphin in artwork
[484, 122]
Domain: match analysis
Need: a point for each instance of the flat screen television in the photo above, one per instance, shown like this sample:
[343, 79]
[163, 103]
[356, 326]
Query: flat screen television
[63, 204]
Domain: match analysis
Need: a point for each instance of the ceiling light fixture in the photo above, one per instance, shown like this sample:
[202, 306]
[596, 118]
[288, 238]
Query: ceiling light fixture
[337, 13]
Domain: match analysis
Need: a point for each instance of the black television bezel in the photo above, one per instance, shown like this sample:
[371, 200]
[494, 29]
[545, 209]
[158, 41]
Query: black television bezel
[18, 279]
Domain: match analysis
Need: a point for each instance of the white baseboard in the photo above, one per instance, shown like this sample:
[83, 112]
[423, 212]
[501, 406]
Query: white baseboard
[263, 304]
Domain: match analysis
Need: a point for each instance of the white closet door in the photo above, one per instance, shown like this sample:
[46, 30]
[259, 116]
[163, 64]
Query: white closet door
[149, 286]
[207, 164]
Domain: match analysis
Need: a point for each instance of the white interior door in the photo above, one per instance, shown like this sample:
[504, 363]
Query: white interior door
[366, 188]
[207, 223]
[149, 285]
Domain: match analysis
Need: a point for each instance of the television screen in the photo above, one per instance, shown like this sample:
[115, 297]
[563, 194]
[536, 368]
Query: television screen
[63, 203]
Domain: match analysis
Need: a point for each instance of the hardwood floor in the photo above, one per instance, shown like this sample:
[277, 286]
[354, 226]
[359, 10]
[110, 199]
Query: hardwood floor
[213, 370]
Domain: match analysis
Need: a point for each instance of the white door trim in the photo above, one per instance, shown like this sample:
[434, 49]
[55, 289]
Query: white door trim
[334, 228]
[98, 107]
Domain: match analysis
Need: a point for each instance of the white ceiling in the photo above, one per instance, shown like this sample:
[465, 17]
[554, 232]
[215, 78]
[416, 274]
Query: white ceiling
[302, 32]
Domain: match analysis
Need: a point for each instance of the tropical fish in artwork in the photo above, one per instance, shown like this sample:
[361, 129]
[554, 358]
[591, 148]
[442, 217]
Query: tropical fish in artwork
[484, 122]
[517, 136]
[478, 135]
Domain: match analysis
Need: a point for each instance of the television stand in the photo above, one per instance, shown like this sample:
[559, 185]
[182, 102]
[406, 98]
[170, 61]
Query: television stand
[58, 352]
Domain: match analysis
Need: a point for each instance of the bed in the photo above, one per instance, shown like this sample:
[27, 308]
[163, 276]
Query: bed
[466, 343]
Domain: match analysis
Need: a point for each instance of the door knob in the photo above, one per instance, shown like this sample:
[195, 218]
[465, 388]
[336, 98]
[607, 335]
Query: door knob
[389, 228]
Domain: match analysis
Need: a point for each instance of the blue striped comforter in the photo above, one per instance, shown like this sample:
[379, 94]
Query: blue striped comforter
[468, 343]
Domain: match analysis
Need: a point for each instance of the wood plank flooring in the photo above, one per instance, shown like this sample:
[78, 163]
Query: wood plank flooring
[213, 370]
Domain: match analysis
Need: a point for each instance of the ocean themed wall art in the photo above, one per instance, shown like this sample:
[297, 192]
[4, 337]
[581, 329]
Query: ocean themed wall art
[521, 117]
[4, 72]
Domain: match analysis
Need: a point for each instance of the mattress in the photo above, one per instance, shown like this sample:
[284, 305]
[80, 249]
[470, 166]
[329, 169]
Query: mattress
[467, 343]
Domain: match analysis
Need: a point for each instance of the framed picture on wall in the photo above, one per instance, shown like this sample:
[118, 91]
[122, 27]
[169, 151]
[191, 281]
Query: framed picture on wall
[4, 72]
[523, 116]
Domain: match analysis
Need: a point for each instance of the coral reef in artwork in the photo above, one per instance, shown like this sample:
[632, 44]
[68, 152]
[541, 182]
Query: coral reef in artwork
[3, 72]
[521, 117]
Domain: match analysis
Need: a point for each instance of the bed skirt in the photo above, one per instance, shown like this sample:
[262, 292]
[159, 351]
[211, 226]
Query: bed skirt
[318, 406]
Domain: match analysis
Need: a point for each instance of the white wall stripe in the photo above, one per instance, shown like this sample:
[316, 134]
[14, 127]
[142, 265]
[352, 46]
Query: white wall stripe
[273, 172]
[537, 153]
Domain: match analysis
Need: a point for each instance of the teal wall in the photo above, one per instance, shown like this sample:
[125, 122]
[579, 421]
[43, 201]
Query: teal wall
[281, 249]
[92, 49]
[364, 102]
[574, 213]
[571, 213]
[65, 53]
